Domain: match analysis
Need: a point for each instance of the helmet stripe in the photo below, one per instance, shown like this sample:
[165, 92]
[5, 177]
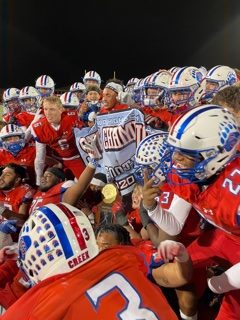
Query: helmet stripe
[41, 80]
[189, 119]
[178, 74]
[75, 227]
[213, 69]
[62, 236]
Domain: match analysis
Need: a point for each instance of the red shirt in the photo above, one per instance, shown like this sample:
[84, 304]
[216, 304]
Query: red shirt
[24, 158]
[22, 119]
[191, 229]
[115, 108]
[113, 284]
[53, 195]
[62, 141]
[12, 199]
[219, 203]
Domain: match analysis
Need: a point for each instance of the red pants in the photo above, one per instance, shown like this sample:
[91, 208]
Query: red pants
[76, 166]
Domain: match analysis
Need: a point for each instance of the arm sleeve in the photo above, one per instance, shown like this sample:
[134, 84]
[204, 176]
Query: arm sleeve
[39, 161]
[172, 220]
[227, 281]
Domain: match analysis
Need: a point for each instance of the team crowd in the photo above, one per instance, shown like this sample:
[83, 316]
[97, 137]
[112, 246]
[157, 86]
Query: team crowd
[122, 201]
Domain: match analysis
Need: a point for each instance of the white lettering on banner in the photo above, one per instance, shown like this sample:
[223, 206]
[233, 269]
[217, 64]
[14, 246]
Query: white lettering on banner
[125, 183]
[115, 138]
[124, 167]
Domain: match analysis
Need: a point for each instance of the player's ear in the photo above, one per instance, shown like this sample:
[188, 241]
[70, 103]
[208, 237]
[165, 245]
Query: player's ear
[18, 180]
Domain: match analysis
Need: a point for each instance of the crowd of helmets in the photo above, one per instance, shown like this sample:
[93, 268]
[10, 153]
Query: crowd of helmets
[171, 88]
[174, 90]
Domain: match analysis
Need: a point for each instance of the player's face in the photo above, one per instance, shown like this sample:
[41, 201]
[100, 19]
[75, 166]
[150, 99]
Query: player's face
[92, 96]
[211, 86]
[12, 139]
[136, 197]
[183, 161]
[179, 96]
[8, 179]
[95, 188]
[106, 240]
[109, 98]
[91, 82]
[47, 181]
[13, 105]
[52, 112]
[44, 91]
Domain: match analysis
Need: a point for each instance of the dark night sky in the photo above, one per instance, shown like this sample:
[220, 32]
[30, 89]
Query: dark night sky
[134, 38]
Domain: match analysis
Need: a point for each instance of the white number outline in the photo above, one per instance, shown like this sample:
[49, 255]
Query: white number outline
[116, 281]
[228, 183]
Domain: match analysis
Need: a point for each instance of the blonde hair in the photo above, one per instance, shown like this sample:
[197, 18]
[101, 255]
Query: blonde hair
[54, 100]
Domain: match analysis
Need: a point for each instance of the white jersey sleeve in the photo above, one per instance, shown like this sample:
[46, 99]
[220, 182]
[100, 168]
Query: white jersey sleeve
[172, 220]
[39, 161]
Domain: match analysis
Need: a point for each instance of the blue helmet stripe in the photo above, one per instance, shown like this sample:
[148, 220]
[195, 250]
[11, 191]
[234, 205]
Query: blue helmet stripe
[213, 69]
[178, 74]
[192, 116]
[57, 225]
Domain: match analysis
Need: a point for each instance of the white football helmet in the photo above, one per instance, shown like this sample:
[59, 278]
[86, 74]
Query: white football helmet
[12, 130]
[218, 78]
[79, 89]
[137, 90]
[173, 70]
[185, 87]
[56, 238]
[209, 135]
[148, 155]
[130, 84]
[11, 101]
[77, 86]
[158, 83]
[203, 70]
[92, 77]
[29, 98]
[45, 85]
[69, 100]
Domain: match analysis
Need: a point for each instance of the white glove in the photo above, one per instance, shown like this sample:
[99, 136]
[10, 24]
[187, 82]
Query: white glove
[227, 281]
[169, 250]
[91, 146]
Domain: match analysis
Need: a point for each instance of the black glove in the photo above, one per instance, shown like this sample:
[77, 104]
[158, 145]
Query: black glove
[144, 216]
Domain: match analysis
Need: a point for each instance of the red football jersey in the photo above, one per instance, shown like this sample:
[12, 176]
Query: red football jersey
[53, 195]
[219, 203]
[12, 199]
[115, 108]
[23, 118]
[61, 141]
[111, 286]
[24, 158]
[191, 229]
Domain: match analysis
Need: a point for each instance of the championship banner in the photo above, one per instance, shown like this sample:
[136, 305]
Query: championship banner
[119, 134]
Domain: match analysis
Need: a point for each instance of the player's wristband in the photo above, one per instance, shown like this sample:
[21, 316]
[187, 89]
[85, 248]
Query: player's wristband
[93, 163]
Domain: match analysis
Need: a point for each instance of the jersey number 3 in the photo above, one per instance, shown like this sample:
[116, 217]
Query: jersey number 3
[116, 281]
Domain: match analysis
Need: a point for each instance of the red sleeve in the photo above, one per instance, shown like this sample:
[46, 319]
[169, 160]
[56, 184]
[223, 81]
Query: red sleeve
[8, 270]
